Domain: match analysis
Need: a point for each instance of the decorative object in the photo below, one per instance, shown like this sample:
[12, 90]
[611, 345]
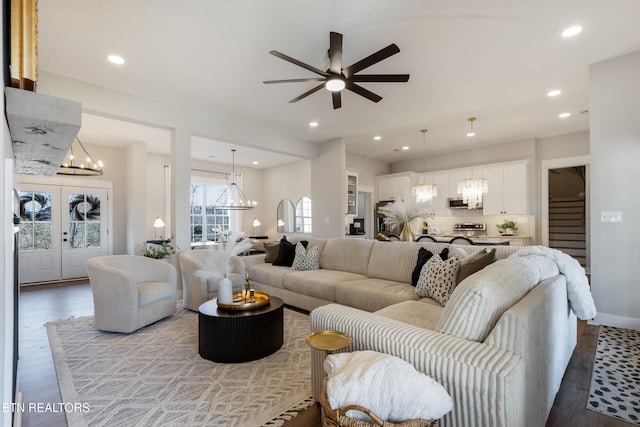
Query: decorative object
[401, 213]
[232, 198]
[225, 293]
[89, 168]
[157, 358]
[287, 253]
[424, 192]
[614, 379]
[438, 278]
[158, 223]
[217, 263]
[242, 301]
[285, 216]
[425, 255]
[256, 223]
[306, 260]
[472, 188]
[508, 227]
[161, 250]
[328, 340]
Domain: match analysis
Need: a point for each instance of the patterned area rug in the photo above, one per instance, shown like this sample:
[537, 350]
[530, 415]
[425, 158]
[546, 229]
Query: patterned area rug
[615, 380]
[155, 376]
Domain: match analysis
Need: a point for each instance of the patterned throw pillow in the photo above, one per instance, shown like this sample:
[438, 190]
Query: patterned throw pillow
[438, 278]
[424, 256]
[306, 260]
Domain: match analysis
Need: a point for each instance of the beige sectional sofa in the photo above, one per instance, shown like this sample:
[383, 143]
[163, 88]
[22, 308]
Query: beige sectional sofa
[500, 346]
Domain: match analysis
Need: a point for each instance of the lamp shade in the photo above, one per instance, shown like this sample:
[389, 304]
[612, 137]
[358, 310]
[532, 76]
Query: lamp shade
[256, 222]
[158, 223]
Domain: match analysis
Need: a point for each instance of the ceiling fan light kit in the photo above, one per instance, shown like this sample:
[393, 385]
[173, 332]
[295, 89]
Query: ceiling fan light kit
[336, 78]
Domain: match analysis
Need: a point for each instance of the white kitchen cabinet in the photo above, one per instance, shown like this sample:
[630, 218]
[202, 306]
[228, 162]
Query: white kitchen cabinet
[394, 186]
[508, 189]
[439, 205]
[352, 193]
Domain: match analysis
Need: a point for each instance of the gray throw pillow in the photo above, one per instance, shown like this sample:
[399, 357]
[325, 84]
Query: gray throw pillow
[475, 262]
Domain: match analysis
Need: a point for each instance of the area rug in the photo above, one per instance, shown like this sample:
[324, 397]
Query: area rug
[155, 376]
[615, 380]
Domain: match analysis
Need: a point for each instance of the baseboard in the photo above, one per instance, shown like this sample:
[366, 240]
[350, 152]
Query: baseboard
[616, 321]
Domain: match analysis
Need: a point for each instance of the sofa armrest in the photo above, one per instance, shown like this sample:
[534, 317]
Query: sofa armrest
[486, 383]
[251, 260]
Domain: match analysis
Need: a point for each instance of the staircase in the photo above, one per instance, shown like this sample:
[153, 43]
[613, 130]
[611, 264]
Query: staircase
[567, 230]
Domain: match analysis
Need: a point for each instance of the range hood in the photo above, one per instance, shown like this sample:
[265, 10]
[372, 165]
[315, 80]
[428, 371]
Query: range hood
[42, 128]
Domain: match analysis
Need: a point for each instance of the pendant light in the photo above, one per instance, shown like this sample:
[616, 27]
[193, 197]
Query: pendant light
[232, 197]
[88, 168]
[472, 189]
[424, 192]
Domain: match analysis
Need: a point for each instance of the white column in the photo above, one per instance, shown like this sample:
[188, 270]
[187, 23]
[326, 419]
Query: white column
[135, 196]
[180, 184]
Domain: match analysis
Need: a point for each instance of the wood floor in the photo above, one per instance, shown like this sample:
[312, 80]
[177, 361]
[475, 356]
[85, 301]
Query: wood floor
[38, 381]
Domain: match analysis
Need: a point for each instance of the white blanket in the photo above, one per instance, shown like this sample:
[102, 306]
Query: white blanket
[387, 385]
[578, 291]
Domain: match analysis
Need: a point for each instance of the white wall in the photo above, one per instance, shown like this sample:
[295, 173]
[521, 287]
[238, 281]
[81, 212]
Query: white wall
[329, 189]
[615, 150]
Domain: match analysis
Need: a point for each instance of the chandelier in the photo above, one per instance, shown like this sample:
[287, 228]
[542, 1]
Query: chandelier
[232, 198]
[472, 189]
[87, 168]
[424, 192]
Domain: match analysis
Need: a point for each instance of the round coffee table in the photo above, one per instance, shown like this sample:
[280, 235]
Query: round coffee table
[228, 336]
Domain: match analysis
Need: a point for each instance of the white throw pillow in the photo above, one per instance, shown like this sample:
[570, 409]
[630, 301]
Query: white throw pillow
[438, 278]
[306, 260]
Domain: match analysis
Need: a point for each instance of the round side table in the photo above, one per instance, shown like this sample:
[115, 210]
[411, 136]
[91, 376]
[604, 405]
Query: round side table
[328, 341]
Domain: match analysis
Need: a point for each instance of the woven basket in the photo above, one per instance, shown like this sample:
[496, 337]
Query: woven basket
[337, 417]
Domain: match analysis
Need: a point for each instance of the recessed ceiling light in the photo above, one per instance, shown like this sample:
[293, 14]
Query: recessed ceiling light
[554, 92]
[115, 59]
[564, 115]
[572, 31]
[256, 162]
[377, 138]
[313, 124]
[405, 147]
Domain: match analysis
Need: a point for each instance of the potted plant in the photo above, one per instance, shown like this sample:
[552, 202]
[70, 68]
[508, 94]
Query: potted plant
[164, 250]
[508, 227]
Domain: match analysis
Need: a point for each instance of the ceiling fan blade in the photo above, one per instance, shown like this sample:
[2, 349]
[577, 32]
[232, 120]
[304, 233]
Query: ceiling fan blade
[307, 93]
[312, 79]
[374, 58]
[363, 92]
[380, 78]
[335, 52]
[337, 100]
[298, 63]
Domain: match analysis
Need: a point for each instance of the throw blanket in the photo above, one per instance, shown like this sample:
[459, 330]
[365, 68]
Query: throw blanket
[386, 385]
[578, 292]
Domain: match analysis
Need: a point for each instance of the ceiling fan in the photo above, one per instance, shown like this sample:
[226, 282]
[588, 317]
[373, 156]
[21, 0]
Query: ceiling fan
[336, 78]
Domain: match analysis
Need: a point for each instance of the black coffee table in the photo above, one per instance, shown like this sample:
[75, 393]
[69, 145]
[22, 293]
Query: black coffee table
[240, 336]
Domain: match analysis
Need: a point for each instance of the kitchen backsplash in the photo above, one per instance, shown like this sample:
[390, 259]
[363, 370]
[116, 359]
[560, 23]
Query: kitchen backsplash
[526, 223]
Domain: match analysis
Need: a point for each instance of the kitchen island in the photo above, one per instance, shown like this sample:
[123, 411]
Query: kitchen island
[482, 240]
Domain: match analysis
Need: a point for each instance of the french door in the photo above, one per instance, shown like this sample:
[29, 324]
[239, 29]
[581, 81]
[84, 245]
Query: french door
[60, 228]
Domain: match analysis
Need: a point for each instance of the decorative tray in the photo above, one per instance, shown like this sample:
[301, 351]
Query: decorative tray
[328, 340]
[260, 299]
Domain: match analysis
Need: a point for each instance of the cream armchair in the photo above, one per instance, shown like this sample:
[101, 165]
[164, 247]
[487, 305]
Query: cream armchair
[130, 292]
[196, 290]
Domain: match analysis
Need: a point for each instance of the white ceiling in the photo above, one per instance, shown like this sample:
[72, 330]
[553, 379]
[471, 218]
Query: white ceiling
[494, 59]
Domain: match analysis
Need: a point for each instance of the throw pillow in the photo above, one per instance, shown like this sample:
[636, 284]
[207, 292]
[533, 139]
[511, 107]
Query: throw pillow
[438, 278]
[475, 262]
[287, 252]
[460, 253]
[306, 260]
[424, 256]
[272, 250]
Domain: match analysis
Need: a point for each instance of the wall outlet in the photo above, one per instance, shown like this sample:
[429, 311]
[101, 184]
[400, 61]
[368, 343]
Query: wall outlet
[610, 216]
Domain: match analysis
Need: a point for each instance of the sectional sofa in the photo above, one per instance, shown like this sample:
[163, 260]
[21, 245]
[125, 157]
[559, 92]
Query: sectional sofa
[499, 346]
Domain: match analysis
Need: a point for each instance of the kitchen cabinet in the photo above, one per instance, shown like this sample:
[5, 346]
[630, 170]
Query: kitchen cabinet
[394, 186]
[457, 175]
[352, 193]
[439, 205]
[508, 189]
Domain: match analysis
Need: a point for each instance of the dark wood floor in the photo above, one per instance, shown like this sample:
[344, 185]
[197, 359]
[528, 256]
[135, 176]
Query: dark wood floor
[38, 382]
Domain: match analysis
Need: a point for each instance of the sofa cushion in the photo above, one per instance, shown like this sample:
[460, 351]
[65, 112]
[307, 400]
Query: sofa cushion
[478, 302]
[317, 283]
[343, 254]
[306, 260]
[438, 278]
[474, 263]
[396, 260]
[268, 274]
[423, 313]
[272, 250]
[287, 252]
[373, 294]
[425, 255]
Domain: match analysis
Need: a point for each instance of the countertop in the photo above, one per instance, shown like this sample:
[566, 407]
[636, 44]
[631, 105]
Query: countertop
[484, 240]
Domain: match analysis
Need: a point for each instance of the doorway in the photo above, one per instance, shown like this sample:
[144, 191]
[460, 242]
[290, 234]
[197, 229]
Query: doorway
[60, 228]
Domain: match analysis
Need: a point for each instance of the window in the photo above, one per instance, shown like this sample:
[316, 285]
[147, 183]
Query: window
[35, 221]
[303, 215]
[206, 222]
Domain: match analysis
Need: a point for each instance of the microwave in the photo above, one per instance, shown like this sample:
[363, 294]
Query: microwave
[458, 203]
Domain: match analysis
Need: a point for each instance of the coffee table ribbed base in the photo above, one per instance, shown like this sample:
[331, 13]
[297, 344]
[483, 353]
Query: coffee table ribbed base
[240, 336]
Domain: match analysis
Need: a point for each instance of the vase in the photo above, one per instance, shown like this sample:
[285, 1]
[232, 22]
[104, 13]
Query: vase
[406, 235]
[225, 293]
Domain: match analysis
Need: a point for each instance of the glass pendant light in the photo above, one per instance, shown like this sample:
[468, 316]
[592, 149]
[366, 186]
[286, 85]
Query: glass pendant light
[472, 189]
[423, 192]
[232, 198]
